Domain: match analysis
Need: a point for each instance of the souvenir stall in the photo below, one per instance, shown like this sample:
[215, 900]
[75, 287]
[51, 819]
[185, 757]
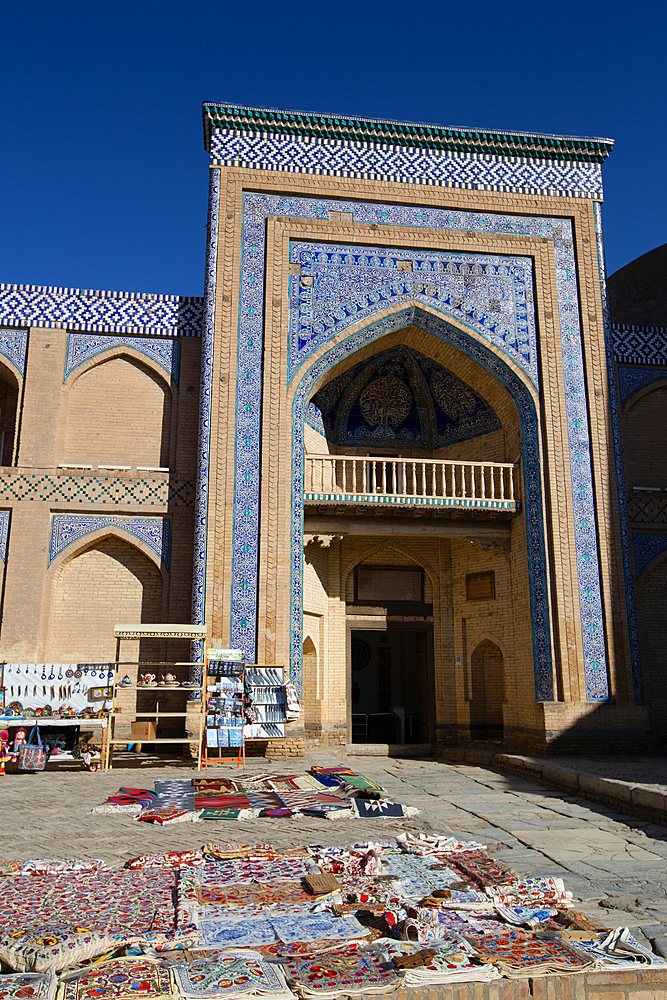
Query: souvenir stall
[129, 681]
[243, 703]
[48, 704]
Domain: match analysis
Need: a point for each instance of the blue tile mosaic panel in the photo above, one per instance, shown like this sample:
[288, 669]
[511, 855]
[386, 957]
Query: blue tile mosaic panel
[647, 545]
[203, 457]
[257, 208]
[83, 346]
[14, 347]
[633, 377]
[633, 626]
[5, 517]
[416, 316]
[155, 532]
[101, 312]
[404, 164]
[492, 295]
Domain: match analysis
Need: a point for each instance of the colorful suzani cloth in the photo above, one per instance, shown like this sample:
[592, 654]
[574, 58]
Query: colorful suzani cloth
[120, 979]
[129, 905]
[234, 973]
[344, 972]
[517, 953]
[29, 986]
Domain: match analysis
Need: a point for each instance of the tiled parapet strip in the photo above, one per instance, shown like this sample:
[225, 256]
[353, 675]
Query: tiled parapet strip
[59, 486]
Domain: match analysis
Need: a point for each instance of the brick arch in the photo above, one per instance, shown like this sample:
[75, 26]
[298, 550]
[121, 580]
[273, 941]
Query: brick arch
[109, 531]
[373, 548]
[11, 390]
[120, 351]
[107, 400]
[350, 347]
[642, 421]
[107, 578]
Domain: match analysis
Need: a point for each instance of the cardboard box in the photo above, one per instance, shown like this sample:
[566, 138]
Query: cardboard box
[143, 730]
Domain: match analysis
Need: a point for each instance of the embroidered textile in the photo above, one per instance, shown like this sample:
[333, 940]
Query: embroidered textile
[520, 953]
[222, 813]
[230, 974]
[535, 891]
[29, 986]
[40, 948]
[130, 905]
[344, 971]
[119, 979]
[238, 872]
[380, 809]
[452, 962]
[56, 865]
[274, 897]
[480, 868]
[170, 859]
[167, 815]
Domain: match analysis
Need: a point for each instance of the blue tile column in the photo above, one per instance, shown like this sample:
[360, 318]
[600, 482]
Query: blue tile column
[203, 458]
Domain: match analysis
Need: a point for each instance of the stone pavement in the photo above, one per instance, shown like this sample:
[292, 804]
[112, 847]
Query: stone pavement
[615, 864]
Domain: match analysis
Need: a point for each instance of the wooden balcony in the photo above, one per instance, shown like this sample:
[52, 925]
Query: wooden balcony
[409, 482]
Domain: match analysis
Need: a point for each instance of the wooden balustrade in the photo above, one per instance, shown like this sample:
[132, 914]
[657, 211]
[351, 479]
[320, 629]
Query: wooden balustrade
[421, 481]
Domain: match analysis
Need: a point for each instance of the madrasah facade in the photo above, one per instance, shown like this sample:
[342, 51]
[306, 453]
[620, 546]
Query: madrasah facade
[398, 446]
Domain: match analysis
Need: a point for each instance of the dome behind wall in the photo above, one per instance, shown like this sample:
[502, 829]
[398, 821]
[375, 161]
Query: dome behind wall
[638, 291]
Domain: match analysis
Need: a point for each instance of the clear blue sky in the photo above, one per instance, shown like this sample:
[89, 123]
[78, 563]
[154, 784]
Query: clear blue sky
[103, 172]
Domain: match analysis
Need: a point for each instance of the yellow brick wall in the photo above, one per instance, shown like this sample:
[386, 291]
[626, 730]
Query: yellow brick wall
[118, 412]
[107, 582]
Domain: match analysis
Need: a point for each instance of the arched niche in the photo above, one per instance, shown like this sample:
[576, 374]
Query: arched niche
[9, 399]
[643, 421]
[104, 581]
[118, 413]
[401, 401]
[487, 695]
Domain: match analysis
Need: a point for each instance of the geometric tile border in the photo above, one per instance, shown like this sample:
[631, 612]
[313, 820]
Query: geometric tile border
[256, 208]
[83, 346]
[97, 489]
[68, 528]
[639, 345]
[651, 510]
[647, 545]
[101, 312]
[14, 347]
[203, 455]
[342, 158]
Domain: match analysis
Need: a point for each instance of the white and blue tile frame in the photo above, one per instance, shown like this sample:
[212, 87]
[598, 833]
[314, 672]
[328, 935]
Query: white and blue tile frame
[633, 377]
[5, 518]
[14, 347]
[257, 207]
[203, 457]
[646, 546]
[84, 346]
[155, 532]
[438, 327]
[626, 544]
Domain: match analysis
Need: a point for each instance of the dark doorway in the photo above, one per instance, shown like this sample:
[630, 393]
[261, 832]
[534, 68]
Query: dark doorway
[391, 685]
